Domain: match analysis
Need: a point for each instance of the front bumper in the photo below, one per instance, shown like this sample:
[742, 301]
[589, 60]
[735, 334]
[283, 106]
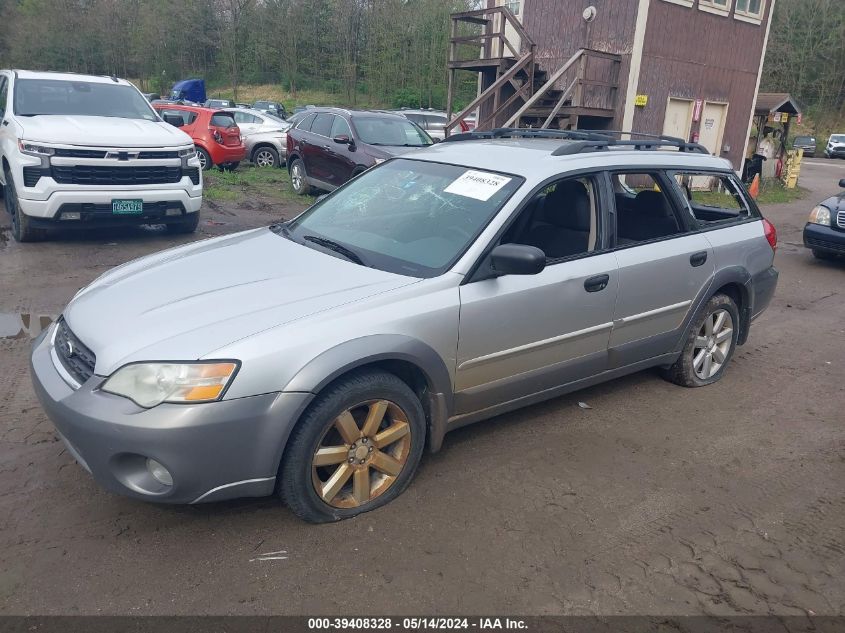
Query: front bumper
[824, 239]
[213, 451]
[835, 152]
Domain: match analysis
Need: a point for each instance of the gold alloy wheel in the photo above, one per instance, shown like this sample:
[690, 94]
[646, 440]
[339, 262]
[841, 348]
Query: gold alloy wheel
[368, 444]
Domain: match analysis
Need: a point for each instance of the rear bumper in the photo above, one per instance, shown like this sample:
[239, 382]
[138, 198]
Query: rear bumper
[824, 239]
[221, 154]
[764, 285]
[213, 451]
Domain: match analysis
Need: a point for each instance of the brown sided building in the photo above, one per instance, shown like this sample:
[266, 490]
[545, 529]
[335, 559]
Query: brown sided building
[687, 68]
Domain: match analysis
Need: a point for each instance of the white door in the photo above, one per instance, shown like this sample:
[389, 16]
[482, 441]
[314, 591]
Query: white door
[713, 126]
[678, 118]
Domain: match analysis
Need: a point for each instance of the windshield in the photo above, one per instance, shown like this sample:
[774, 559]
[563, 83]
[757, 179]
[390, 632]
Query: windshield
[81, 98]
[804, 139]
[407, 216]
[837, 138]
[393, 131]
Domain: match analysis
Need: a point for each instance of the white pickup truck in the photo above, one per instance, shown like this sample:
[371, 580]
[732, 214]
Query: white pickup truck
[88, 151]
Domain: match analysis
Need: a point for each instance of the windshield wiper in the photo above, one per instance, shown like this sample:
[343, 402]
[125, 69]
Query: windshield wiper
[337, 248]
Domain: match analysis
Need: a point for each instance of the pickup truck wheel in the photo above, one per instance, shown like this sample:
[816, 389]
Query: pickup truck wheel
[187, 225]
[205, 159]
[22, 229]
[710, 344]
[355, 449]
[298, 178]
[266, 157]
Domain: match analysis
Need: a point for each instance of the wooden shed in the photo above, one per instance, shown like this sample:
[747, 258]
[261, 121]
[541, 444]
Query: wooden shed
[687, 68]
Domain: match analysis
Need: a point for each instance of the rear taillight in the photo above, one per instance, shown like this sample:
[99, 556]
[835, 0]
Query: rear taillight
[217, 135]
[771, 233]
[464, 126]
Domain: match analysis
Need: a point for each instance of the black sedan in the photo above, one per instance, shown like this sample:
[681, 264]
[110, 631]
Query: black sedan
[824, 233]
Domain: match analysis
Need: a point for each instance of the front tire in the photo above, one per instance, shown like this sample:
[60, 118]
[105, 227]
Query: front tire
[22, 229]
[355, 449]
[188, 224]
[266, 157]
[709, 346]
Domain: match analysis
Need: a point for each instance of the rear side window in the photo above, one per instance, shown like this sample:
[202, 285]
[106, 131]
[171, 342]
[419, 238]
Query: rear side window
[222, 119]
[644, 209]
[713, 199]
[323, 124]
[436, 122]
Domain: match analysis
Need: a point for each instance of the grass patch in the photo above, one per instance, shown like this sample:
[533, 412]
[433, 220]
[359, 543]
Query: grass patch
[773, 192]
[250, 181]
[275, 92]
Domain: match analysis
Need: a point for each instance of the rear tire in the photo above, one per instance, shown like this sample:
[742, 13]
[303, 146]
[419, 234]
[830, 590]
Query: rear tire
[710, 344]
[299, 178]
[22, 229]
[205, 159]
[187, 225]
[355, 449]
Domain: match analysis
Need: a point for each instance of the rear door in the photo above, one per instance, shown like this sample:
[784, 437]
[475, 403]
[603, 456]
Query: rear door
[664, 265]
[315, 155]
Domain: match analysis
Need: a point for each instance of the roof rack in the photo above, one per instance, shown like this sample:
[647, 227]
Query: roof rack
[585, 140]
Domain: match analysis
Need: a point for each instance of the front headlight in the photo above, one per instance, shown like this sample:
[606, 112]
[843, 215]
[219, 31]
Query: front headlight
[32, 149]
[188, 153]
[820, 215]
[150, 384]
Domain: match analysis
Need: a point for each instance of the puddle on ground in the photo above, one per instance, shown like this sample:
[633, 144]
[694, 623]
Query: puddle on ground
[21, 325]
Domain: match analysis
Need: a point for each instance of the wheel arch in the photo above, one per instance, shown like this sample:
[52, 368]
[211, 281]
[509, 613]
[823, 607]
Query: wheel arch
[294, 156]
[262, 145]
[414, 362]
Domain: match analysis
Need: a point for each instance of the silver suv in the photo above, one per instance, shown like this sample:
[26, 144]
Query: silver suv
[319, 357]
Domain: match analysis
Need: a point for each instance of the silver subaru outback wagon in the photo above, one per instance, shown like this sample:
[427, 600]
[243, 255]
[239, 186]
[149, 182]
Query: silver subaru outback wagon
[318, 358]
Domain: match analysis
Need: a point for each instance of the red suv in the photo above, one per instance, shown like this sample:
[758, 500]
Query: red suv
[215, 133]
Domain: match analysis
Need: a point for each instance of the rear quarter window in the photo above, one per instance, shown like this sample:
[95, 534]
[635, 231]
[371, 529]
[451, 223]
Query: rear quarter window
[220, 119]
[713, 199]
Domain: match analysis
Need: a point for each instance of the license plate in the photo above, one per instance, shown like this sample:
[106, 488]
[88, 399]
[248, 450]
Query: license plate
[127, 207]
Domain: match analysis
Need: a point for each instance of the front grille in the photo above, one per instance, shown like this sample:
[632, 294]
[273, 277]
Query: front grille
[193, 173]
[80, 153]
[830, 246]
[77, 359]
[102, 175]
[31, 176]
[840, 219]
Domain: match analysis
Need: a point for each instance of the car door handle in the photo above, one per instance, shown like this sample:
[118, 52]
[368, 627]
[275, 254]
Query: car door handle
[698, 259]
[597, 283]
[5, 122]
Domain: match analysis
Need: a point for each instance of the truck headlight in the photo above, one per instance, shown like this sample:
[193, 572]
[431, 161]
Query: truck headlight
[33, 149]
[150, 384]
[188, 153]
[820, 215]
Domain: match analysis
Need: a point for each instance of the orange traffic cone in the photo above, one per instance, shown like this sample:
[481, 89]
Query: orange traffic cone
[754, 189]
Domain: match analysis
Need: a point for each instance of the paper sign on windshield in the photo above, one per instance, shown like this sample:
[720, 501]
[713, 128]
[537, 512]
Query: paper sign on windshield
[480, 185]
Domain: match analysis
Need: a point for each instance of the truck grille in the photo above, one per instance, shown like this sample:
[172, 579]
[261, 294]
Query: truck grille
[77, 359]
[65, 152]
[840, 219]
[102, 175]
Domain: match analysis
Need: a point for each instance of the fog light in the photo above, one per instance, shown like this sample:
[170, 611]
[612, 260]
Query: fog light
[71, 215]
[173, 212]
[159, 472]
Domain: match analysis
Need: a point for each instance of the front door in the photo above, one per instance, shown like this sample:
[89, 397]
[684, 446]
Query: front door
[521, 335]
[713, 126]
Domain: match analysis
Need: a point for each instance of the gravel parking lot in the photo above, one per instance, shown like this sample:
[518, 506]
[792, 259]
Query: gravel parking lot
[657, 500]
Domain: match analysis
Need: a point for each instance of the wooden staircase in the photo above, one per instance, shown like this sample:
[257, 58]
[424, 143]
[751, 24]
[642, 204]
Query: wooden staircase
[515, 89]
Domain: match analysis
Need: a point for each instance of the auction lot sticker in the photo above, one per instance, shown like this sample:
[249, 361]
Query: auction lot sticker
[480, 185]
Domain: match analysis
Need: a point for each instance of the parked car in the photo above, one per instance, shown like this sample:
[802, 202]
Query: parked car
[216, 136]
[264, 136]
[82, 151]
[318, 358]
[824, 232]
[303, 108]
[432, 121]
[152, 96]
[835, 146]
[329, 146]
[471, 121]
[271, 107]
[219, 103]
[190, 90]
[807, 143]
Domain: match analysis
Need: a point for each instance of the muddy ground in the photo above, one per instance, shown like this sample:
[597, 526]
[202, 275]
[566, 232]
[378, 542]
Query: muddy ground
[657, 500]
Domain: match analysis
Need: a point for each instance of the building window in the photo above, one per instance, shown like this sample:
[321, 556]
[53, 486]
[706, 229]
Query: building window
[750, 10]
[721, 7]
[514, 5]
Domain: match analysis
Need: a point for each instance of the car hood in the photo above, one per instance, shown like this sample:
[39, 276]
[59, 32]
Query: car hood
[184, 303]
[99, 131]
[835, 203]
